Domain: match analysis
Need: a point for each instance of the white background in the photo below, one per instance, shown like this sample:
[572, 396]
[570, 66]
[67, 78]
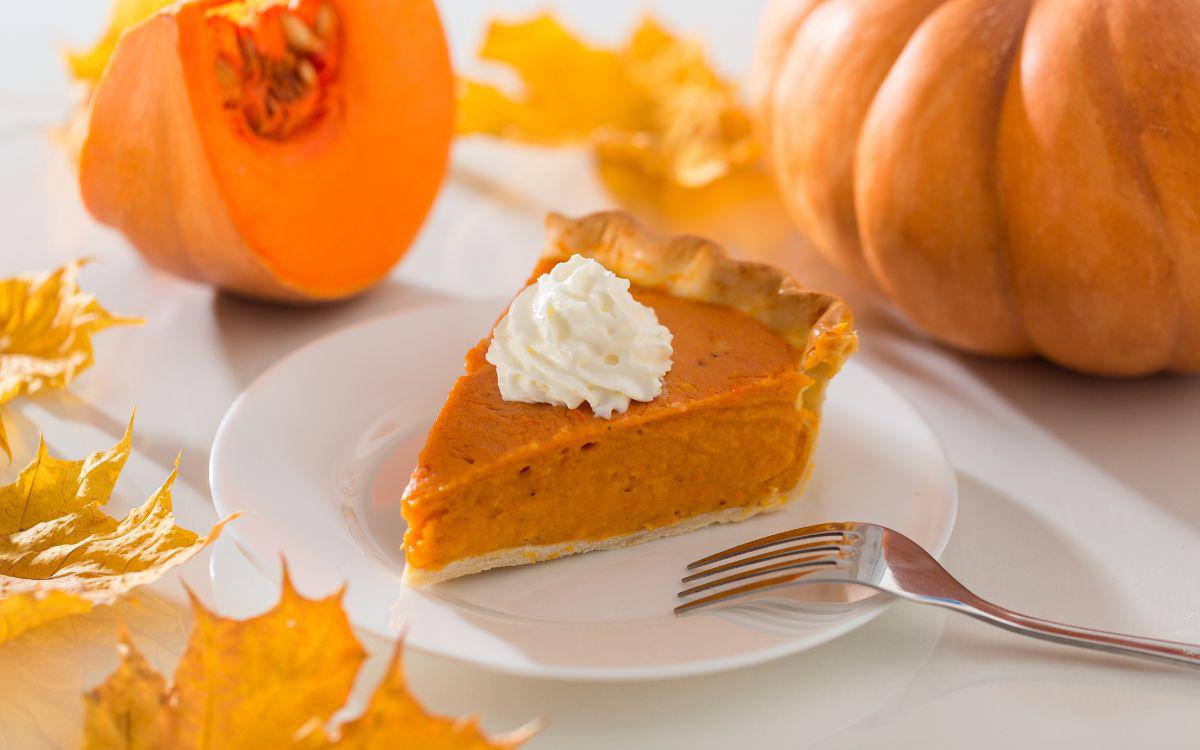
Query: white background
[1080, 498]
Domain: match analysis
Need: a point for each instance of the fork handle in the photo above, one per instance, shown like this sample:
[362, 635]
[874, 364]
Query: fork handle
[1129, 645]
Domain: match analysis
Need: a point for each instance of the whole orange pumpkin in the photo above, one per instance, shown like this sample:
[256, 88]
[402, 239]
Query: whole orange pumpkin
[1018, 176]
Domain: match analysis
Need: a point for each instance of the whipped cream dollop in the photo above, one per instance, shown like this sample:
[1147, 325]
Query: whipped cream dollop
[577, 334]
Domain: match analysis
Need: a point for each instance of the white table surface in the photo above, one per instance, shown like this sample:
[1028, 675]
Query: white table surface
[1080, 498]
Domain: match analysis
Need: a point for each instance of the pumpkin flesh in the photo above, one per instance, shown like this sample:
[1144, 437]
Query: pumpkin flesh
[273, 172]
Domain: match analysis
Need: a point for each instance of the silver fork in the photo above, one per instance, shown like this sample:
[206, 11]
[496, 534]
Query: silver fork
[874, 556]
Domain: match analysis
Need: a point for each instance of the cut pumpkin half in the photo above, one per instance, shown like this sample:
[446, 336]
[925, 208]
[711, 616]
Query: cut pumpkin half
[283, 150]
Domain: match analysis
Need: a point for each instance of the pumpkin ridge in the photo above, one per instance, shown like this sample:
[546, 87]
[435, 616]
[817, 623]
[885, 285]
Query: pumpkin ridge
[1129, 125]
[1085, 236]
[937, 110]
[770, 53]
[1125, 126]
[866, 115]
[1004, 241]
[824, 206]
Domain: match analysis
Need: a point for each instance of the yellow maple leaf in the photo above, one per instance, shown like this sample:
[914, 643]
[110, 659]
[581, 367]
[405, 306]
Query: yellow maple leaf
[655, 102]
[46, 327]
[88, 65]
[394, 719]
[60, 554]
[127, 710]
[275, 681]
[26, 611]
[255, 683]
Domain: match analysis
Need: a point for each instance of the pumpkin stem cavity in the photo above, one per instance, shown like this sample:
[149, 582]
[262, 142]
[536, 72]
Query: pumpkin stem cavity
[276, 63]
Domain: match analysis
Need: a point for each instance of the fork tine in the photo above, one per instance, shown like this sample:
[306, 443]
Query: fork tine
[807, 548]
[745, 589]
[818, 561]
[837, 529]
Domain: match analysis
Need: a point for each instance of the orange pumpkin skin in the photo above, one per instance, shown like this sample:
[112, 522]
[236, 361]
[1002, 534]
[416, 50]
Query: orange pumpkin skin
[316, 214]
[1018, 176]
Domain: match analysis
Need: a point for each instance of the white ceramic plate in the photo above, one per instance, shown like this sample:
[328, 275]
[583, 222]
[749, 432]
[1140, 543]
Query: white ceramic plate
[317, 451]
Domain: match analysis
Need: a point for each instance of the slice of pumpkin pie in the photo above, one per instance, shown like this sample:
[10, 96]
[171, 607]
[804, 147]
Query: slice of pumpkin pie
[638, 387]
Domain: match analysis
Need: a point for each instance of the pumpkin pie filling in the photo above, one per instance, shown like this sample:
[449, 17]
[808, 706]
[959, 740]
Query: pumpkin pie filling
[506, 482]
[585, 478]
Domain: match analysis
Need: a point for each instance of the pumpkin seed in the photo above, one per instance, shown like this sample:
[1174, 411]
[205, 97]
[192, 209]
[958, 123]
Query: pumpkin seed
[298, 36]
[325, 22]
[307, 72]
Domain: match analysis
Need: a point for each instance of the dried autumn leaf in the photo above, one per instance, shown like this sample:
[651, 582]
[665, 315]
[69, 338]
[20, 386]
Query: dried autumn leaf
[655, 102]
[87, 65]
[126, 711]
[394, 719]
[19, 614]
[46, 327]
[270, 681]
[60, 554]
[254, 683]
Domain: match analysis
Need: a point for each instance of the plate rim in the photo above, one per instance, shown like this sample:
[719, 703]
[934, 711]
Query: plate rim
[867, 610]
